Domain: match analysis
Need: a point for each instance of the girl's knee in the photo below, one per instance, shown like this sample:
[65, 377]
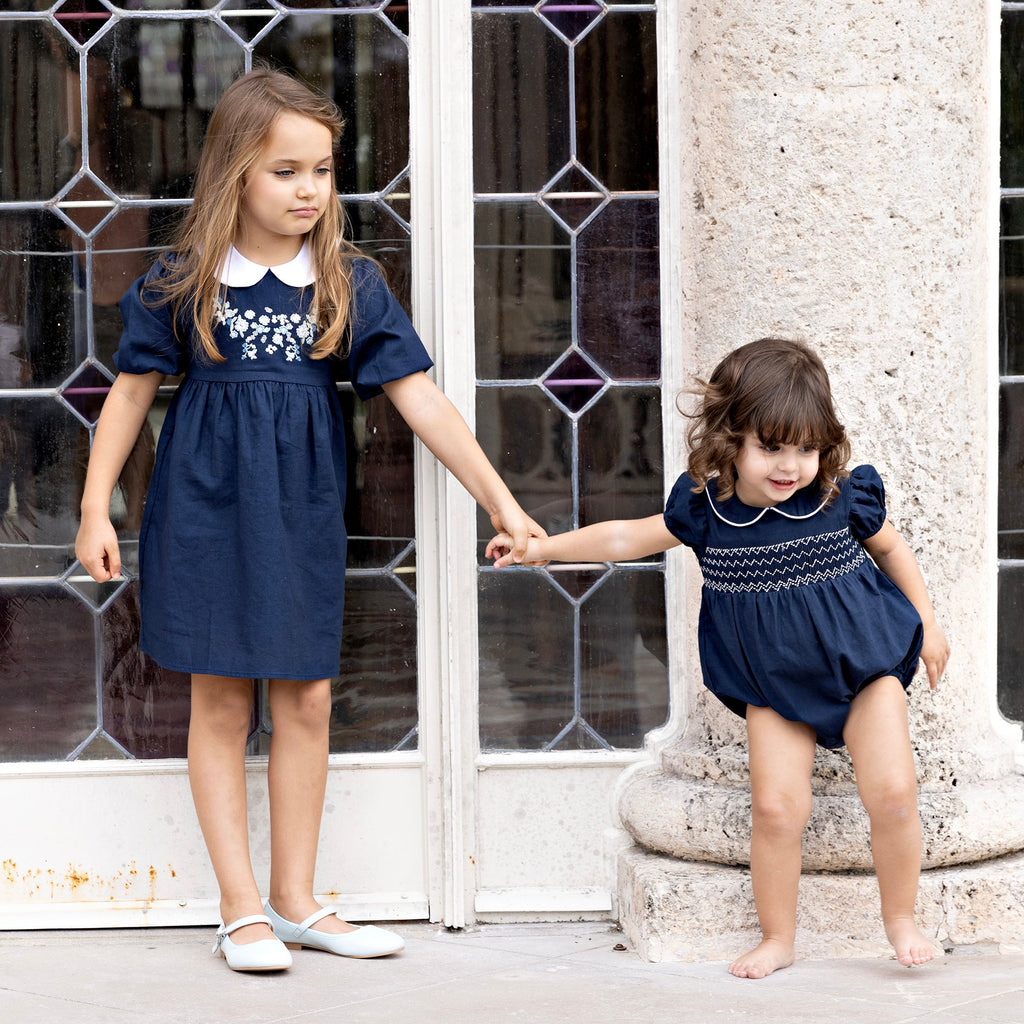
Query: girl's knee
[304, 704]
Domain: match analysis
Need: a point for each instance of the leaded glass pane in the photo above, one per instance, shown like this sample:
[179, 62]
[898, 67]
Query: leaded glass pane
[568, 349]
[1011, 369]
[107, 118]
[47, 673]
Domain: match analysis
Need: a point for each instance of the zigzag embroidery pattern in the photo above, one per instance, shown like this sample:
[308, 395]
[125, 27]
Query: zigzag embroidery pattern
[794, 563]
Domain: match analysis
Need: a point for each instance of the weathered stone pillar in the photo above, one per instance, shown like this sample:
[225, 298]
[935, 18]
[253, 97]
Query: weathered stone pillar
[846, 180]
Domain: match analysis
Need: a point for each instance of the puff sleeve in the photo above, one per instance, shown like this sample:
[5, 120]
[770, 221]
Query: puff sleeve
[385, 346]
[867, 502]
[148, 342]
[686, 513]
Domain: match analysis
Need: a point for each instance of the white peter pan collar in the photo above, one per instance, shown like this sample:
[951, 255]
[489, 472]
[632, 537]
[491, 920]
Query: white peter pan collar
[239, 272]
[804, 504]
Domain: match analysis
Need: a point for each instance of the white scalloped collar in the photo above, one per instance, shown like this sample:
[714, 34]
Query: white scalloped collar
[239, 272]
[804, 504]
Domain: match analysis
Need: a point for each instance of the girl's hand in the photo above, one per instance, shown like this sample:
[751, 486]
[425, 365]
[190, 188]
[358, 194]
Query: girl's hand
[934, 653]
[500, 549]
[512, 522]
[97, 549]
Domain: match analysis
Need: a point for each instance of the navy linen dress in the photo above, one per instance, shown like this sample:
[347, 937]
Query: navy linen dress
[794, 614]
[242, 546]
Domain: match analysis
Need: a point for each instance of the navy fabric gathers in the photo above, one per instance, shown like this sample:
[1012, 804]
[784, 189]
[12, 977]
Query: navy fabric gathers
[242, 548]
[794, 615]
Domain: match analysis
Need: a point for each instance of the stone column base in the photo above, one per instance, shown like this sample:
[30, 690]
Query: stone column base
[674, 910]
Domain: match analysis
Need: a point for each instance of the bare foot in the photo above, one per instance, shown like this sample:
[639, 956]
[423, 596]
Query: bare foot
[770, 955]
[911, 945]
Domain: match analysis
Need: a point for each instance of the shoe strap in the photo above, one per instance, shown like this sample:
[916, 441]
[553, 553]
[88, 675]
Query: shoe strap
[226, 929]
[318, 915]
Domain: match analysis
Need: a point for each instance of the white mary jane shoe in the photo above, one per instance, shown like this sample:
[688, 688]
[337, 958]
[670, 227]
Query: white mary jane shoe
[265, 955]
[361, 944]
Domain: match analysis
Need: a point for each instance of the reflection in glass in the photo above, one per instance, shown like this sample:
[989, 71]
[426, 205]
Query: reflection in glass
[523, 290]
[529, 441]
[521, 117]
[526, 661]
[374, 702]
[41, 321]
[617, 102]
[45, 448]
[1011, 78]
[1011, 470]
[620, 456]
[618, 296]
[145, 707]
[47, 675]
[38, 151]
[624, 657]
[1011, 287]
[1011, 642]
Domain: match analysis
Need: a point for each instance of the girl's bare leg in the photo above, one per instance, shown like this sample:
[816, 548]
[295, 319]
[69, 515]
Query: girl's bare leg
[218, 728]
[301, 713]
[878, 738]
[781, 760]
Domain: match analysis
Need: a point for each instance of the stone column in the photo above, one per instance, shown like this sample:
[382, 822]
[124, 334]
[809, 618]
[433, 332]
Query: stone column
[846, 179]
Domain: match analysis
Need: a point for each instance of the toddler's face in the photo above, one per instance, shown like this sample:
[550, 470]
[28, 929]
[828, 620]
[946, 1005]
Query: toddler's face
[768, 475]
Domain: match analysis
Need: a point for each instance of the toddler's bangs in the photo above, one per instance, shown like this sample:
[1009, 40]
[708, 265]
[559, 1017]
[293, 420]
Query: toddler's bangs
[795, 419]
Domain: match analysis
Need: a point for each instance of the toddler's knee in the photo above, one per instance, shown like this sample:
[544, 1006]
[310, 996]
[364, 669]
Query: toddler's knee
[780, 816]
[895, 803]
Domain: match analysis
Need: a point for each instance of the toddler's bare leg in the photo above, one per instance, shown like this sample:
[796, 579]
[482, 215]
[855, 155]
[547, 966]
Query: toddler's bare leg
[219, 725]
[781, 759]
[878, 738]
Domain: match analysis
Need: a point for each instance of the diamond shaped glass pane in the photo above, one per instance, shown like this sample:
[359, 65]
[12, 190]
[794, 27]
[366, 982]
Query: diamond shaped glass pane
[81, 19]
[86, 391]
[574, 197]
[576, 582]
[571, 17]
[574, 382]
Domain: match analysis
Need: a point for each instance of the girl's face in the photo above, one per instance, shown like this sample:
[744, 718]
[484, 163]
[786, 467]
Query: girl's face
[287, 189]
[768, 475]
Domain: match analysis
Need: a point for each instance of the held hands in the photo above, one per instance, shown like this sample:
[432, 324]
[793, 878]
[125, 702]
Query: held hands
[97, 549]
[934, 653]
[501, 550]
[516, 529]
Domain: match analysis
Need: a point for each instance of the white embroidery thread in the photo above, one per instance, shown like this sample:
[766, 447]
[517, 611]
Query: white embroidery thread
[276, 332]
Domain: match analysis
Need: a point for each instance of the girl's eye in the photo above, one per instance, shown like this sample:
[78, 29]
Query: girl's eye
[771, 449]
[323, 170]
[283, 174]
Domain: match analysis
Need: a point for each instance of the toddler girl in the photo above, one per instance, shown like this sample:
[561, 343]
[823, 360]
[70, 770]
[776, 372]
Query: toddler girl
[813, 618]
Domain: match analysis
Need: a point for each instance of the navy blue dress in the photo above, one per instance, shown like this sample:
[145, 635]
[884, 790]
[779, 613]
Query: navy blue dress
[242, 547]
[794, 614]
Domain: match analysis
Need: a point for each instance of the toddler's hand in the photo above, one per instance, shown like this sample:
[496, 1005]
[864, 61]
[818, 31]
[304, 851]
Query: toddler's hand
[501, 548]
[934, 654]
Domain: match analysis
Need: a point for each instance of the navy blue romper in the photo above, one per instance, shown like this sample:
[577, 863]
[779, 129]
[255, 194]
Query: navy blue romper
[242, 546]
[794, 614]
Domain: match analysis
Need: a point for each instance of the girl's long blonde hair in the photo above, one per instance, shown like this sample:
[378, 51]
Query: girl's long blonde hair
[237, 133]
[777, 390]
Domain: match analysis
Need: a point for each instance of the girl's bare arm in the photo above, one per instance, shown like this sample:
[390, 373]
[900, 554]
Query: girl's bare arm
[616, 540]
[124, 412]
[439, 425]
[891, 553]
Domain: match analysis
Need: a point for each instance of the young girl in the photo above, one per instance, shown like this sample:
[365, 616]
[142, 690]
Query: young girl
[799, 630]
[242, 546]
